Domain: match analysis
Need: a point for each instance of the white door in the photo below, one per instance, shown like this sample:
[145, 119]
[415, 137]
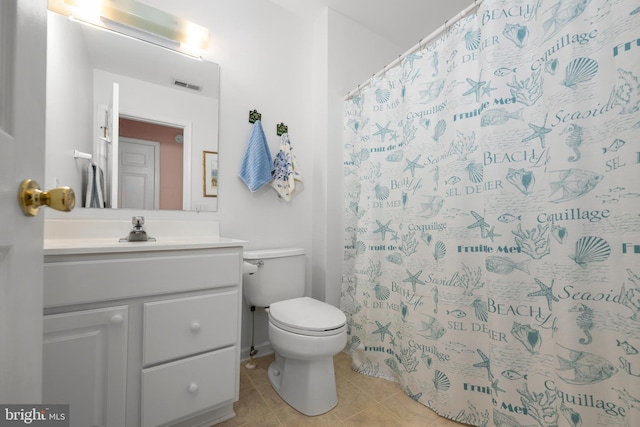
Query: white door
[113, 117]
[23, 32]
[138, 174]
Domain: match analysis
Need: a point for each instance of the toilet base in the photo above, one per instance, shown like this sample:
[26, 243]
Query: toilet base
[309, 386]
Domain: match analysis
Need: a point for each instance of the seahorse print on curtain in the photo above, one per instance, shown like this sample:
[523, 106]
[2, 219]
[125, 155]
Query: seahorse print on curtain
[492, 217]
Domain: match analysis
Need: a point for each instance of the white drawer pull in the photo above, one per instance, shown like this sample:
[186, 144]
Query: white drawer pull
[193, 387]
[195, 326]
[116, 319]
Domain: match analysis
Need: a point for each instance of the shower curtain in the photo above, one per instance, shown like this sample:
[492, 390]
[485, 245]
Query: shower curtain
[492, 214]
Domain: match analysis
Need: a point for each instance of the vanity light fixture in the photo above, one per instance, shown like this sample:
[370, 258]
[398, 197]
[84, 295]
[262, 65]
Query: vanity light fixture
[134, 19]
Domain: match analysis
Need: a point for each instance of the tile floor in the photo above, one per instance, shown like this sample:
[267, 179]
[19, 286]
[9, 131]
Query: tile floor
[362, 401]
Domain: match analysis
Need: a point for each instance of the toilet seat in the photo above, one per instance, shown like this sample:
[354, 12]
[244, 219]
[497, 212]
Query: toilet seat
[307, 316]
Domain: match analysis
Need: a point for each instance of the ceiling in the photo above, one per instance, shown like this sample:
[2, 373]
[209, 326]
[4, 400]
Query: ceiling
[403, 22]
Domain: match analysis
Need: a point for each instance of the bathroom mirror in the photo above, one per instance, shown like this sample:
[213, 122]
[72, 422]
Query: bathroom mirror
[95, 80]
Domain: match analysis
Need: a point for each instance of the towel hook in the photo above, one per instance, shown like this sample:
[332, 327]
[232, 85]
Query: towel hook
[281, 128]
[254, 115]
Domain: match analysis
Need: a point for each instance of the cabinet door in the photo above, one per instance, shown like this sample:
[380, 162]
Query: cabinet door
[85, 363]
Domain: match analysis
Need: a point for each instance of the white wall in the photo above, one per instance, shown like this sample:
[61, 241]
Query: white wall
[319, 93]
[69, 77]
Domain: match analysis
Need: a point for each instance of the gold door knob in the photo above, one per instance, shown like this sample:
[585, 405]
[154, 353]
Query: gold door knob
[31, 198]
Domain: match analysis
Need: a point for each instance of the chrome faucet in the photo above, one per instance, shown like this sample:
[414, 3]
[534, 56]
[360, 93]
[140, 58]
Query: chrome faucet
[137, 233]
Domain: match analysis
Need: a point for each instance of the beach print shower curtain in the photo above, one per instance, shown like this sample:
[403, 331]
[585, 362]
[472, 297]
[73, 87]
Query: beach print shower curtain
[492, 214]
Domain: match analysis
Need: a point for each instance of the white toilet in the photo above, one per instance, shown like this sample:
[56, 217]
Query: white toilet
[305, 333]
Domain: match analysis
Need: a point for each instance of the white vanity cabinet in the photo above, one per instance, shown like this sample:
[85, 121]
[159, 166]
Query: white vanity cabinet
[145, 335]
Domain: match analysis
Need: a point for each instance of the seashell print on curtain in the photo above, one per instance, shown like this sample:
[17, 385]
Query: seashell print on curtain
[492, 214]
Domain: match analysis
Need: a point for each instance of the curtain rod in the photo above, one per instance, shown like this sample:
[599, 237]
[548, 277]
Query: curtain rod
[419, 45]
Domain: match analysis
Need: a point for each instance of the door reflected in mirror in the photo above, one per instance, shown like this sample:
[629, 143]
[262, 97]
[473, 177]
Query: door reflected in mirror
[157, 87]
[150, 165]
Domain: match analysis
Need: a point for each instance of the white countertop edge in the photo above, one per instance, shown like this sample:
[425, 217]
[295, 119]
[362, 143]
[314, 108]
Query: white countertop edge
[93, 246]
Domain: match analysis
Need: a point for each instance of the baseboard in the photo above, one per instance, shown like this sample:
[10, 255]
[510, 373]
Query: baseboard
[207, 418]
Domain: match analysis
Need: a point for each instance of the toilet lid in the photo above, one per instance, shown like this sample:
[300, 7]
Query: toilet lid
[307, 315]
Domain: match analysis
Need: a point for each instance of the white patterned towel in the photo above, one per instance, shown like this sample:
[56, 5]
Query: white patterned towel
[256, 167]
[287, 179]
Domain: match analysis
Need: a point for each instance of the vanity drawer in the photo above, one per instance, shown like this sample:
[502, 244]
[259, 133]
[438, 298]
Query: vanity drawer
[80, 279]
[181, 388]
[185, 326]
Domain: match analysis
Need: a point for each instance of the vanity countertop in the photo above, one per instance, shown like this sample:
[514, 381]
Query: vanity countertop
[74, 237]
[94, 246]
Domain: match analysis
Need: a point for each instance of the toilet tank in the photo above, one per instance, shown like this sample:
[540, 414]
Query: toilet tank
[280, 276]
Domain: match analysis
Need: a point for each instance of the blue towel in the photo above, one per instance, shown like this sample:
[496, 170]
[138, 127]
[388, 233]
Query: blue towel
[257, 165]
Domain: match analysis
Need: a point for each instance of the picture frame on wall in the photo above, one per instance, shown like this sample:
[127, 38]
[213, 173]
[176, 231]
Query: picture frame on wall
[210, 173]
